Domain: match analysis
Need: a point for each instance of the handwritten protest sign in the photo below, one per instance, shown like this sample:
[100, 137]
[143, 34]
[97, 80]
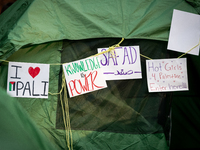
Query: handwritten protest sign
[84, 76]
[125, 64]
[184, 32]
[167, 75]
[28, 80]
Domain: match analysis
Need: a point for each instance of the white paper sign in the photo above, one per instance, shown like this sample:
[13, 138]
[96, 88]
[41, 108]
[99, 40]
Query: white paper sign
[28, 80]
[184, 32]
[84, 76]
[167, 75]
[124, 65]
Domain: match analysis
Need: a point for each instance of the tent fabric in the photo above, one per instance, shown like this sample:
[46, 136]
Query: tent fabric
[195, 4]
[102, 121]
[125, 106]
[185, 122]
[42, 111]
[185, 110]
[35, 22]
[17, 130]
[59, 31]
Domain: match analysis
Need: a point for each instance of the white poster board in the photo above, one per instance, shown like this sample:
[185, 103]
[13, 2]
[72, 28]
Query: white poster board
[125, 64]
[29, 80]
[84, 76]
[164, 75]
[184, 32]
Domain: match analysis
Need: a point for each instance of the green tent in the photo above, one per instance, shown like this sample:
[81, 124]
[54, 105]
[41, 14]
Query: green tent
[18, 131]
[124, 115]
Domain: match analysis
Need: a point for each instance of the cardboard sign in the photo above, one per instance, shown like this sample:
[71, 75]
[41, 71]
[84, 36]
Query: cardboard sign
[167, 75]
[84, 76]
[125, 64]
[184, 32]
[28, 80]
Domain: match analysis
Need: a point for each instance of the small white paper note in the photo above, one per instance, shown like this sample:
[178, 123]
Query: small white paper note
[167, 75]
[184, 32]
[84, 76]
[29, 80]
[125, 64]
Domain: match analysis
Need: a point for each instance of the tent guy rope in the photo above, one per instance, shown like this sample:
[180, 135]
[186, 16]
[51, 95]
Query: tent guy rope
[189, 50]
[111, 49]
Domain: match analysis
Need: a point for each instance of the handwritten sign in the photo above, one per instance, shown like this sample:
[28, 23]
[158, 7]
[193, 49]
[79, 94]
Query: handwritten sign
[84, 76]
[125, 64]
[167, 75]
[28, 80]
[184, 32]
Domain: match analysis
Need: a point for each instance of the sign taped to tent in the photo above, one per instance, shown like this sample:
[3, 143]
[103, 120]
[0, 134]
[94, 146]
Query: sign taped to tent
[167, 75]
[84, 76]
[29, 80]
[124, 64]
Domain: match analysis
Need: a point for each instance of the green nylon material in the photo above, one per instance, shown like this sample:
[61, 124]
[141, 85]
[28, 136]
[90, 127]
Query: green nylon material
[17, 130]
[37, 21]
[27, 25]
[44, 111]
[125, 106]
[93, 140]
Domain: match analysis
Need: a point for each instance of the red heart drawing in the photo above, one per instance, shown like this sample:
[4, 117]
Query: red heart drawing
[33, 72]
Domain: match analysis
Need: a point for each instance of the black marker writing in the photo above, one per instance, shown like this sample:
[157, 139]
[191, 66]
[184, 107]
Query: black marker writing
[16, 72]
